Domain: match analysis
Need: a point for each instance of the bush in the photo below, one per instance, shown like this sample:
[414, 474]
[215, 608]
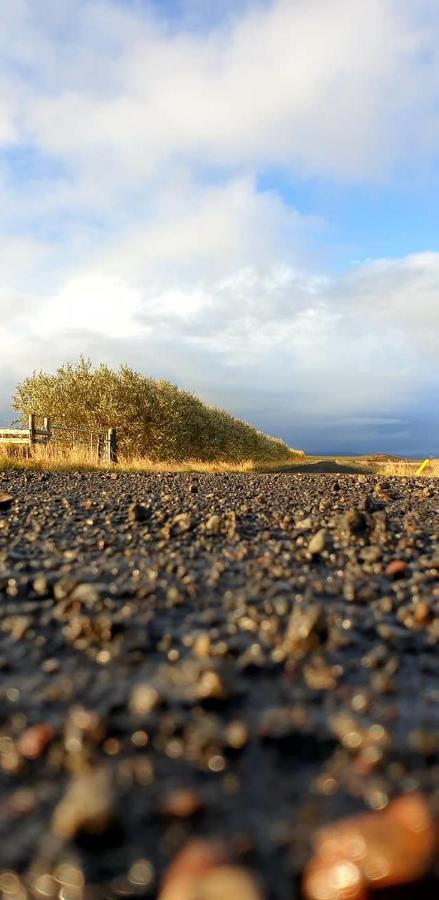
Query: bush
[153, 417]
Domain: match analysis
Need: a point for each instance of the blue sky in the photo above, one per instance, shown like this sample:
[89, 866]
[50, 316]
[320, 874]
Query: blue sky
[242, 197]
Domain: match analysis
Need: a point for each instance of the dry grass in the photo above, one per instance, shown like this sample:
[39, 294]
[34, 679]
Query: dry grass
[55, 458]
[407, 469]
[59, 459]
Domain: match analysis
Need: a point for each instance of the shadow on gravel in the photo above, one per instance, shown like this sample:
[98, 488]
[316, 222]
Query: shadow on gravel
[326, 467]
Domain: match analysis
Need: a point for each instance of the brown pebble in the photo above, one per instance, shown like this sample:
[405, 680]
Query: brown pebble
[181, 803]
[376, 850]
[144, 699]
[190, 865]
[421, 612]
[201, 872]
[210, 686]
[236, 735]
[85, 806]
[228, 883]
[6, 501]
[201, 646]
[213, 524]
[33, 742]
[396, 568]
[318, 542]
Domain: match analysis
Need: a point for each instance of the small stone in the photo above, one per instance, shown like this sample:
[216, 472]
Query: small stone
[201, 646]
[20, 625]
[421, 612]
[138, 512]
[305, 628]
[181, 804]
[41, 585]
[317, 542]
[182, 522]
[144, 699]
[354, 521]
[213, 524]
[86, 806]
[396, 568]
[371, 553]
[210, 686]
[388, 848]
[6, 501]
[88, 593]
[229, 882]
[34, 740]
[183, 876]
[304, 524]
[319, 676]
[236, 735]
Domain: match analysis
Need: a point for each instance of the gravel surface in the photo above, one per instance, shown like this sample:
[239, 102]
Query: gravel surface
[241, 656]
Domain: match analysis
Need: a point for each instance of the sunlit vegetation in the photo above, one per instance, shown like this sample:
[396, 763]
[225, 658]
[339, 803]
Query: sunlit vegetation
[155, 420]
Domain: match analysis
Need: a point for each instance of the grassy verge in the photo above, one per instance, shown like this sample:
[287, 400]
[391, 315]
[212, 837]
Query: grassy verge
[407, 469]
[57, 459]
[50, 459]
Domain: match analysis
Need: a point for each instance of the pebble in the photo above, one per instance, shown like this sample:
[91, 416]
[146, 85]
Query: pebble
[199, 873]
[34, 741]
[138, 512]
[182, 803]
[390, 848]
[86, 806]
[144, 699]
[396, 568]
[213, 524]
[318, 542]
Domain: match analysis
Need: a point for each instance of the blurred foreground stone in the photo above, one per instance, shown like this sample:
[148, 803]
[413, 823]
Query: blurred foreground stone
[372, 851]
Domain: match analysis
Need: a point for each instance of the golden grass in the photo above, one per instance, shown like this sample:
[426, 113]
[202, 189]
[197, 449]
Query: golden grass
[63, 459]
[55, 458]
[407, 469]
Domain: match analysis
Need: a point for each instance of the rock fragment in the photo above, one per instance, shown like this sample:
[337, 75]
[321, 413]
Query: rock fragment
[34, 740]
[389, 848]
[144, 699]
[396, 568]
[86, 806]
[318, 542]
[306, 627]
[138, 512]
[201, 871]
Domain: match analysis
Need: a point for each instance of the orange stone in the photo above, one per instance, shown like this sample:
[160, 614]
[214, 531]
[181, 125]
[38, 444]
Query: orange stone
[193, 862]
[371, 851]
[33, 742]
[395, 568]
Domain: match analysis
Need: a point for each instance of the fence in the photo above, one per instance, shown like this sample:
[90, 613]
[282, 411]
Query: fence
[103, 444]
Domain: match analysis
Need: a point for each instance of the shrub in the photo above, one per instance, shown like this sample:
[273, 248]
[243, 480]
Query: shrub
[153, 417]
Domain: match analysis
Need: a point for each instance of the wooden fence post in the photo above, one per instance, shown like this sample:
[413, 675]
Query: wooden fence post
[31, 430]
[47, 428]
[112, 445]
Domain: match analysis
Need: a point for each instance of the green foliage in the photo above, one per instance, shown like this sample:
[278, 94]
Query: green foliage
[153, 417]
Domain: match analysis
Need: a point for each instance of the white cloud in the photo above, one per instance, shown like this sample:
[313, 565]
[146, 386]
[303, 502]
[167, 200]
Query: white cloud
[326, 86]
[351, 348]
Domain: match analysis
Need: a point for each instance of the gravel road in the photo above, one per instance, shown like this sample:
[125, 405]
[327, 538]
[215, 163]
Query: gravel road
[242, 656]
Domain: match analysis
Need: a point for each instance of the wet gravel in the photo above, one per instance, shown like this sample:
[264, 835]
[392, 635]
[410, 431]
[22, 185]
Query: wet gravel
[241, 656]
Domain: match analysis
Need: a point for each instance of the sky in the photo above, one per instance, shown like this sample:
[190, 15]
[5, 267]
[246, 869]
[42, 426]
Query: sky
[241, 196]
